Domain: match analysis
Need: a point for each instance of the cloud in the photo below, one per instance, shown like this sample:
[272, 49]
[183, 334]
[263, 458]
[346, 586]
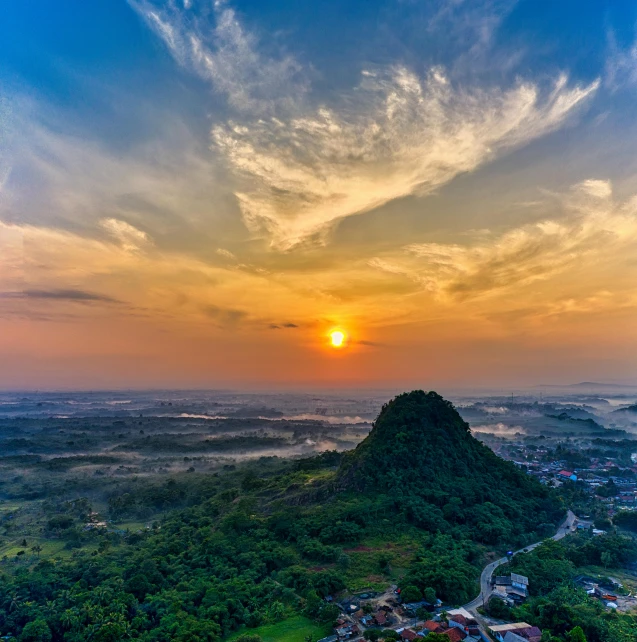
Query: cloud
[5, 142]
[406, 135]
[621, 63]
[128, 236]
[226, 317]
[471, 26]
[79, 296]
[279, 326]
[594, 230]
[302, 168]
[227, 55]
[226, 254]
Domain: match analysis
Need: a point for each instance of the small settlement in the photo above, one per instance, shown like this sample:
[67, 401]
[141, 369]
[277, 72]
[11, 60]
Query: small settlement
[385, 611]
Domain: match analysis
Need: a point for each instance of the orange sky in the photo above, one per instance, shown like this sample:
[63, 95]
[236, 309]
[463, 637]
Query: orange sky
[463, 228]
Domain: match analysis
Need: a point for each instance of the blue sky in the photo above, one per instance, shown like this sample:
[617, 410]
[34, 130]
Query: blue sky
[211, 170]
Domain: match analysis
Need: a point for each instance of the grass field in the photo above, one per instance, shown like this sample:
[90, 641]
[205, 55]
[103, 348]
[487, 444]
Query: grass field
[50, 548]
[295, 629]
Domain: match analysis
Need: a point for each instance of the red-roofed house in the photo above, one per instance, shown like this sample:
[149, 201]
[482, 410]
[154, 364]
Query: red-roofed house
[454, 634]
[380, 618]
[408, 634]
[531, 633]
[433, 627]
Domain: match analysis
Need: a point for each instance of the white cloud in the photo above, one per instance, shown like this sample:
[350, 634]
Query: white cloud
[129, 237]
[5, 142]
[301, 169]
[400, 135]
[226, 254]
[621, 64]
[228, 56]
[594, 233]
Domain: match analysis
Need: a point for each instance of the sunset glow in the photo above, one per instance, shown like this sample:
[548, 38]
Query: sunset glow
[197, 193]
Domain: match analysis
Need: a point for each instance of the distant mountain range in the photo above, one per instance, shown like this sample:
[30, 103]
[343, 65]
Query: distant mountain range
[591, 385]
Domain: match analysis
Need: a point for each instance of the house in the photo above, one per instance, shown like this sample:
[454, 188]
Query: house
[454, 634]
[464, 621]
[459, 621]
[346, 632]
[500, 630]
[408, 634]
[520, 631]
[412, 607]
[329, 638]
[513, 637]
[514, 586]
[433, 627]
[530, 634]
[567, 474]
[380, 618]
[461, 617]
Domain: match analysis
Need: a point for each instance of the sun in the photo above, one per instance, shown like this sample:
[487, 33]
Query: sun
[337, 338]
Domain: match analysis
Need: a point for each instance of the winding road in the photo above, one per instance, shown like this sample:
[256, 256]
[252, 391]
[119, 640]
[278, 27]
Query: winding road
[485, 578]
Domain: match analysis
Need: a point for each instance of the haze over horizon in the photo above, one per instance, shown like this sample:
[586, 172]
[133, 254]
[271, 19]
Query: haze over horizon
[375, 194]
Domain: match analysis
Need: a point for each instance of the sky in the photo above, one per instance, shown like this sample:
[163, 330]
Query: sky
[198, 193]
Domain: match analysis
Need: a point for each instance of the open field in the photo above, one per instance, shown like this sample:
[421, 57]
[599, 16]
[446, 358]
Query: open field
[295, 629]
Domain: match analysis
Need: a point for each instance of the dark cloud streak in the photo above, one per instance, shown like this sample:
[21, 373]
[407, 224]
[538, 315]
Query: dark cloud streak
[78, 296]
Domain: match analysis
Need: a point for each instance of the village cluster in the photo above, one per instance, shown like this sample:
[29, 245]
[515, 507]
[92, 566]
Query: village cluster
[610, 479]
[416, 620]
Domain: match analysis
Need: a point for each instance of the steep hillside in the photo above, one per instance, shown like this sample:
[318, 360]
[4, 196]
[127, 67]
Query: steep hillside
[264, 541]
[422, 452]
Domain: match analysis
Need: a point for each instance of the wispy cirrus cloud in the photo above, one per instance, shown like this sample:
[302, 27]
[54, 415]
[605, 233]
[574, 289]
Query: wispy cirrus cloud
[301, 168]
[406, 135]
[593, 231]
[126, 234]
[226, 54]
[621, 63]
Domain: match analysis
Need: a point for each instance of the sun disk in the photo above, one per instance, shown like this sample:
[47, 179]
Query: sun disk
[337, 337]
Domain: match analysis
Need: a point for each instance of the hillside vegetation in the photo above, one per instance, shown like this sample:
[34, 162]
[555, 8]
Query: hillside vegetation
[418, 501]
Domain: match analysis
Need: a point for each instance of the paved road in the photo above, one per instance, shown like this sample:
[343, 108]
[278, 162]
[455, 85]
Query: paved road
[485, 578]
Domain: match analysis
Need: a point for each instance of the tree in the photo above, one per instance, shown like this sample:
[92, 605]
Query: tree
[344, 562]
[437, 637]
[577, 635]
[37, 549]
[276, 612]
[422, 613]
[607, 559]
[497, 608]
[373, 635]
[36, 631]
[430, 595]
[410, 593]
[249, 637]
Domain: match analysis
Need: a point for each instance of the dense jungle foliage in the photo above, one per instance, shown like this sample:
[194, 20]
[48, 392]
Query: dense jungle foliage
[418, 500]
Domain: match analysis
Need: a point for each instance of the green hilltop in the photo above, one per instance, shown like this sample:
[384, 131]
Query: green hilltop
[422, 453]
[419, 502]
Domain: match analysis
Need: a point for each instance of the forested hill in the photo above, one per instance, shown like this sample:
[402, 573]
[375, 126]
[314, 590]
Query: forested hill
[418, 503]
[422, 451]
